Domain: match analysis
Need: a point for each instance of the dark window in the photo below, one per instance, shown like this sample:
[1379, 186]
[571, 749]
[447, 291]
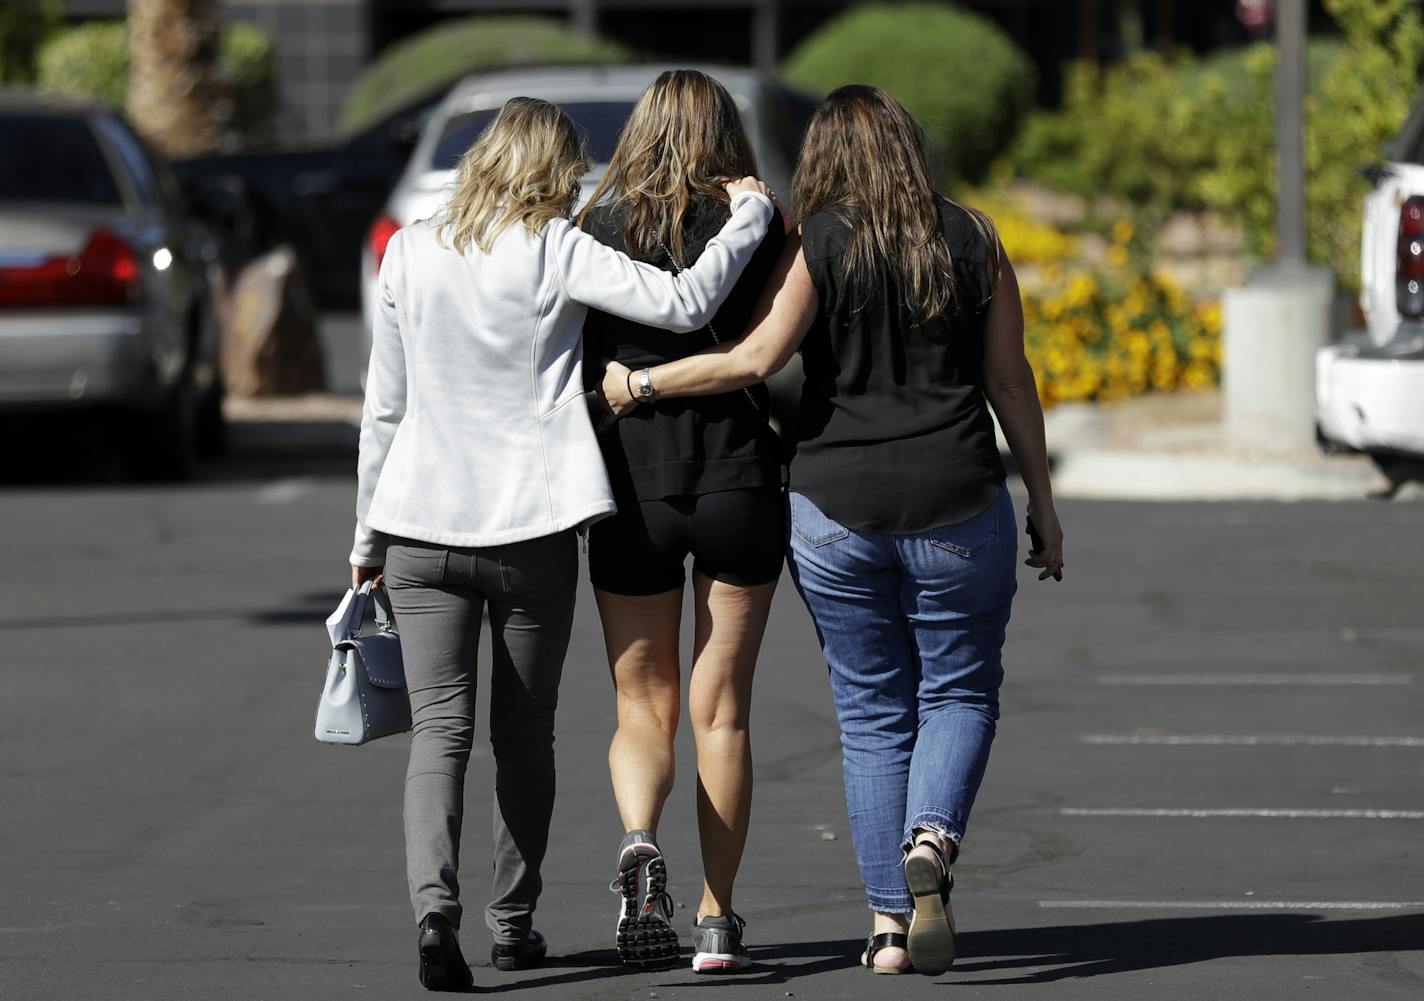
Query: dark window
[53, 159]
[599, 122]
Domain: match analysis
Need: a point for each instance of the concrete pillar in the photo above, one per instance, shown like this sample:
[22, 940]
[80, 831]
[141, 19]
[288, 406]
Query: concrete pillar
[584, 15]
[1274, 326]
[1272, 329]
[766, 30]
[1290, 132]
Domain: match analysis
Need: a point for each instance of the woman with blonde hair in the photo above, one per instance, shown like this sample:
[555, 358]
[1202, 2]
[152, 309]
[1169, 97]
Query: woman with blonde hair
[477, 466]
[903, 542]
[698, 477]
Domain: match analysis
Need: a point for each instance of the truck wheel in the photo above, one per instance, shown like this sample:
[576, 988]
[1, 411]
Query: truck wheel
[162, 445]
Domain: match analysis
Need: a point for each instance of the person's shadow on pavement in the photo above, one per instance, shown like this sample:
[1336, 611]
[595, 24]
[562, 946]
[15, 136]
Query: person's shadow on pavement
[1075, 951]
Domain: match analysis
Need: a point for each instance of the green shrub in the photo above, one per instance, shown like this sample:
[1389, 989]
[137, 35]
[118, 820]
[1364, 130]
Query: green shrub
[1360, 102]
[965, 81]
[93, 60]
[1149, 131]
[24, 25]
[1202, 134]
[448, 51]
[250, 63]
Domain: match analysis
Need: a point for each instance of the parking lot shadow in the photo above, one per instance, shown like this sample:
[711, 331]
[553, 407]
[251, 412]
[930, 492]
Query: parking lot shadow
[67, 451]
[265, 450]
[1064, 952]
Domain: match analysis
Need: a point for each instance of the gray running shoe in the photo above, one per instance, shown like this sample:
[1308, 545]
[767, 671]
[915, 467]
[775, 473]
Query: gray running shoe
[717, 945]
[646, 938]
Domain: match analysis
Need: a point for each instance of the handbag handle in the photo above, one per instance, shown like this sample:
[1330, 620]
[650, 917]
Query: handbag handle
[385, 614]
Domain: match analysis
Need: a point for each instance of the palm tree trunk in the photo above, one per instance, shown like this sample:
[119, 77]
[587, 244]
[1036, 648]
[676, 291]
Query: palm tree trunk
[176, 94]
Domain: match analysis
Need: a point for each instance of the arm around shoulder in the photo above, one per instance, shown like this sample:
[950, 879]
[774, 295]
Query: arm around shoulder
[787, 309]
[603, 278]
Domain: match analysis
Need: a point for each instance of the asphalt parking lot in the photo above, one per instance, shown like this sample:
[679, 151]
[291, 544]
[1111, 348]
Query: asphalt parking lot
[1208, 782]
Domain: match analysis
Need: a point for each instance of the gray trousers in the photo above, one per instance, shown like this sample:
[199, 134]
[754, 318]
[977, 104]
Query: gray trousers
[439, 595]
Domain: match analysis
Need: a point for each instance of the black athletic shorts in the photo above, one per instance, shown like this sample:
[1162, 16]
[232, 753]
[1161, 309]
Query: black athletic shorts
[734, 536]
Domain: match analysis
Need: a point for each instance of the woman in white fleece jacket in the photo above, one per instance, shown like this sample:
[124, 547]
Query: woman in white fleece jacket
[478, 463]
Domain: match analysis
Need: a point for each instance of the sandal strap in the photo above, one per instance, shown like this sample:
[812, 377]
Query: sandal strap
[885, 940]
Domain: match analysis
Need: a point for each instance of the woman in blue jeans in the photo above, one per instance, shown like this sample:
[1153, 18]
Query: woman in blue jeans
[903, 539]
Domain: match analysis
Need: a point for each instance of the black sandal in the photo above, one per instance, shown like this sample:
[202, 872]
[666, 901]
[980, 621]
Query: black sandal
[933, 940]
[885, 940]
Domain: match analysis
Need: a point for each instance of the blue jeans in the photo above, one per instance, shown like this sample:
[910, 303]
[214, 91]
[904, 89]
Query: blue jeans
[912, 627]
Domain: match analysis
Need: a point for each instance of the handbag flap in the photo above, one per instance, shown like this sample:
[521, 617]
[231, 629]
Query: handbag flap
[380, 658]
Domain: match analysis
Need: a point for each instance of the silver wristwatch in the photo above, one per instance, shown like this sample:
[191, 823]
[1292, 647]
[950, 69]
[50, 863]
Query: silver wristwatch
[645, 386]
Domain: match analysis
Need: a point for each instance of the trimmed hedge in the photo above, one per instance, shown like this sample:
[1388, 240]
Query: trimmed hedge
[93, 60]
[964, 80]
[442, 54]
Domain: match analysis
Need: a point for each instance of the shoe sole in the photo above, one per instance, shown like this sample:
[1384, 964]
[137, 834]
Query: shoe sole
[932, 936]
[645, 939]
[719, 963]
[437, 975]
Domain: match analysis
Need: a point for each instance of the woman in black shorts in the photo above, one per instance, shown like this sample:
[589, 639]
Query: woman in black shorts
[699, 477]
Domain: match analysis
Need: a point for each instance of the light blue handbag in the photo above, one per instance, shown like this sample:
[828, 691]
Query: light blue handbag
[365, 696]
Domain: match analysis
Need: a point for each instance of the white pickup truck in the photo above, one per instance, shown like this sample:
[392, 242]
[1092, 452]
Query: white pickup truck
[1369, 388]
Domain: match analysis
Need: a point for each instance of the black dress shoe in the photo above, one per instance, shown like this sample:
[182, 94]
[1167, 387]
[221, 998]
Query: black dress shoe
[520, 956]
[442, 967]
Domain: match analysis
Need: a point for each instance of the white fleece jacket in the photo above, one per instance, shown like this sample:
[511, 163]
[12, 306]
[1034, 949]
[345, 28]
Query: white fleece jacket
[474, 431]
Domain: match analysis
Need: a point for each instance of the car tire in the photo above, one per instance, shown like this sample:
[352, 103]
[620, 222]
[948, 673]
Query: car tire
[212, 428]
[162, 445]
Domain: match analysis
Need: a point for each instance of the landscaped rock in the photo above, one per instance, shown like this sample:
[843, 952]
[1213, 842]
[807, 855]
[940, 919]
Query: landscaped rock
[270, 345]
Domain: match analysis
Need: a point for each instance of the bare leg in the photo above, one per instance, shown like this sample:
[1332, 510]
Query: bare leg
[730, 624]
[641, 634]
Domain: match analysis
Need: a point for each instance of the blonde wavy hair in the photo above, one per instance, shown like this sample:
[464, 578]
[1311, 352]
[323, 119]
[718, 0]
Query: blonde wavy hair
[524, 168]
[683, 137]
[866, 159]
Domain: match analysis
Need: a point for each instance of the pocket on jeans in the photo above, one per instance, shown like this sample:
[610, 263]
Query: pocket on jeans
[969, 538]
[416, 564]
[812, 526]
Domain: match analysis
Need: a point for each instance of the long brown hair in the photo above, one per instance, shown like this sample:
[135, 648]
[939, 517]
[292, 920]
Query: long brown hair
[683, 136]
[524, 168]
[865, 158]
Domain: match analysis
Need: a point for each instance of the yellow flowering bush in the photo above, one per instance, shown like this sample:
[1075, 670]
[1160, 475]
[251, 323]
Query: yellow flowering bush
[1109, 335]
[1098, 325]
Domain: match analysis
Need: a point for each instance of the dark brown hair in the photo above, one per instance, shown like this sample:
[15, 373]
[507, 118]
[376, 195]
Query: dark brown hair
[865, 158]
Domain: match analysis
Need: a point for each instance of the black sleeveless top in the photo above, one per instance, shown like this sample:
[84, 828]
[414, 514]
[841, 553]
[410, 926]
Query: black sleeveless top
[895, 432]
[690, 445]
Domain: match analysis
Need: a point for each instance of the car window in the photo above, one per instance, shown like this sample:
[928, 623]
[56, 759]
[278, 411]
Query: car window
[599, 122]
[49, 158]
[136, 164]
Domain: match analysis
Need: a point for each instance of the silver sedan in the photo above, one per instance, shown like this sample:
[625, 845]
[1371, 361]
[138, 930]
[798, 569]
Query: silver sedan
[104, 307]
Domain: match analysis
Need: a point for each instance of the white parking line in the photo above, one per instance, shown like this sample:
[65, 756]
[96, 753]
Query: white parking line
[1249, 740]
[1255, 679]
[1269, 813]
[1235, 905]
[285, 491]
